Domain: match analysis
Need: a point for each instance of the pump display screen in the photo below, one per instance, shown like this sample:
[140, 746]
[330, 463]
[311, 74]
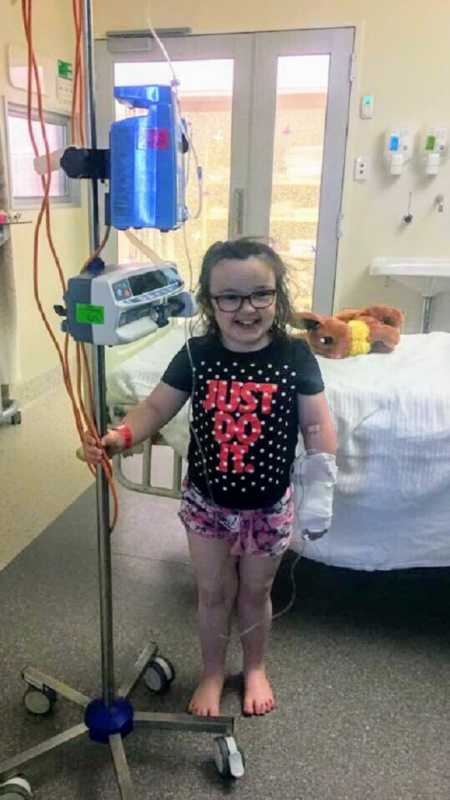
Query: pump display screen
[147, 282]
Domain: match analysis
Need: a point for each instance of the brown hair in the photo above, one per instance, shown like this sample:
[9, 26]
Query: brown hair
[241, 249]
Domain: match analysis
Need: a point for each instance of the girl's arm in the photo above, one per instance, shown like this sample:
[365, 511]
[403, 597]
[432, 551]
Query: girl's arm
[314, 475]
[146, 419]
[315, 423]
[143, 422]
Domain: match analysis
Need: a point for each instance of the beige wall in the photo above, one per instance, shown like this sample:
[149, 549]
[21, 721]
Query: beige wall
[403, 58]
[53, 39]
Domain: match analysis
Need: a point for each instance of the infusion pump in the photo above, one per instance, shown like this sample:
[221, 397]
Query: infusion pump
[123, 303]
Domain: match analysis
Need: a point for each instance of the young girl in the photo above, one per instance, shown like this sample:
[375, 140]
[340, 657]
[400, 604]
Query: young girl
[252, 388]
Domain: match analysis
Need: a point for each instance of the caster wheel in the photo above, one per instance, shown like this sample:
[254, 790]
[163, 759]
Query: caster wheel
[228, 759]
[16, 418]
[15, 789]
[38, 703]
[159, 675]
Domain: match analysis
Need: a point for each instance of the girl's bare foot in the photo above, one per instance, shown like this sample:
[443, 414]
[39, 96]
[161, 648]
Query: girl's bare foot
[206, 698]
[258, 694]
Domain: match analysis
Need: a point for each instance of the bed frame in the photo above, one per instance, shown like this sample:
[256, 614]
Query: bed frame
[145, 485]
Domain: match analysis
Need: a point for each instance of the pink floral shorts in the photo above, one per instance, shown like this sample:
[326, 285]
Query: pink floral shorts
[261, 531]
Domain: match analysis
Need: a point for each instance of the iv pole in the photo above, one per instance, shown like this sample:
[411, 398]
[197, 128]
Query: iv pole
[98, 367]
[110, 718]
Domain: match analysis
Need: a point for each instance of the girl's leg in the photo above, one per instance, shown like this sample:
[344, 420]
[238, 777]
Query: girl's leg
[256, 575]
[215, 571]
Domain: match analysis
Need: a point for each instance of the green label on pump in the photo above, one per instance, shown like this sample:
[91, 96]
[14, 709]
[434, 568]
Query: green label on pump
[430, 143]
[64, 69]
[90, 315]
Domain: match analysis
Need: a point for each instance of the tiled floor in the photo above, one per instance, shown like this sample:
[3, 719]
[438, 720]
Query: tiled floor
[40, 475]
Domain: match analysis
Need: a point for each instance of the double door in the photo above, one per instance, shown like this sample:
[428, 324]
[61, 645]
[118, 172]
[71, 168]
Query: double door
[267, 114]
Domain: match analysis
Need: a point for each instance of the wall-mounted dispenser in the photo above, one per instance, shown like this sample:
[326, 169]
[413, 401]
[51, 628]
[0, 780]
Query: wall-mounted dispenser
[398, 149]
[436, 140]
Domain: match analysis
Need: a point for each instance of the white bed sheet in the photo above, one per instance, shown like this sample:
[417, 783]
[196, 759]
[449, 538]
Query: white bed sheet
[392, 414]
[133, 379]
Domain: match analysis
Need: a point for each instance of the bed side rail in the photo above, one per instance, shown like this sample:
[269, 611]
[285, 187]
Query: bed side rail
[145, 485]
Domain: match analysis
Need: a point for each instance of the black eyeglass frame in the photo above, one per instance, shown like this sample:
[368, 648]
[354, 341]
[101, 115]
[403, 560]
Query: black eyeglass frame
[218, 297]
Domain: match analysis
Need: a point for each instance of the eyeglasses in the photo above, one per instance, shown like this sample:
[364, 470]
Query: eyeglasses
[263, 298]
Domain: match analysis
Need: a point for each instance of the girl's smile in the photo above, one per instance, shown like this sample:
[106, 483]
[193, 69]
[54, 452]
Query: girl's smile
[247, 328]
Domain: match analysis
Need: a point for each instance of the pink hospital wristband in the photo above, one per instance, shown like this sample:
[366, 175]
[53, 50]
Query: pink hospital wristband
[126, 434]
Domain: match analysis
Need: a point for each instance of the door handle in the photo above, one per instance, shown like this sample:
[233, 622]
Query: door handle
[238, 212]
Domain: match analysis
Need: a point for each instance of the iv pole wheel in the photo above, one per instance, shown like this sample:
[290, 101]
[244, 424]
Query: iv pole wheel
[38, 703]
[159, 675]
[228, 758]
[15, 789]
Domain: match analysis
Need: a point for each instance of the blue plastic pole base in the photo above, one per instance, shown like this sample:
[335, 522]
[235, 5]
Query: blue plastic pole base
[102, 720]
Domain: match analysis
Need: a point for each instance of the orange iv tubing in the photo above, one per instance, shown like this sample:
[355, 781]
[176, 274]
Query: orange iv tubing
[83, 416]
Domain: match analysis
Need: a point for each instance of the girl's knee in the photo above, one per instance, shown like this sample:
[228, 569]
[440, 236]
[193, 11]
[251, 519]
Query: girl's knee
[213, 595]
[255, 594]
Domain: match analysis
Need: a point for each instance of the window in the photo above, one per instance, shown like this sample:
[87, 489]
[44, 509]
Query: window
[25, 183]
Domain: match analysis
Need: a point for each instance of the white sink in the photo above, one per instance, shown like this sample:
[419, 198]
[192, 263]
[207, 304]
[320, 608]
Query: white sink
[427, 276]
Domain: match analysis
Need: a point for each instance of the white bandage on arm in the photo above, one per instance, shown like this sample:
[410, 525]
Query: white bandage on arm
[313, 479]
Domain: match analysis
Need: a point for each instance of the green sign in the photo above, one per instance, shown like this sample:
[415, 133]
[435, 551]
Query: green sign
[90, 315]
[430, 143]
[64, 69]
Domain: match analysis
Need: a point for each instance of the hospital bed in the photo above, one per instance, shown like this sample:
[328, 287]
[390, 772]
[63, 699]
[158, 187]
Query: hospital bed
[392, 415]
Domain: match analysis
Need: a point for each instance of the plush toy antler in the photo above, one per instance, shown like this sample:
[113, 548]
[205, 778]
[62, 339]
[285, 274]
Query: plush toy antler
[351, 332]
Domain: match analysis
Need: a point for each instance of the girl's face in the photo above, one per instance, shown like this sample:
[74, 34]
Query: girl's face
[247, 328]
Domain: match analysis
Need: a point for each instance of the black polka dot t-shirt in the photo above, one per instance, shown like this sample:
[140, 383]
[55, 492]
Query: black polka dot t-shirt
[244, 427]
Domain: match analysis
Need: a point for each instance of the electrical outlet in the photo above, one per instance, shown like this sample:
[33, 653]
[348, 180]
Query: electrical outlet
[361, 169]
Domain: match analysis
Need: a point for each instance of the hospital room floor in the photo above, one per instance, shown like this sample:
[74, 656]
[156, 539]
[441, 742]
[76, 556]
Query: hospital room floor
[40, 475]
[360, 664]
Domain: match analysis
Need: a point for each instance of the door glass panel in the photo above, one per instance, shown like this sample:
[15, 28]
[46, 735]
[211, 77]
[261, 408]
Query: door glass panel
[205, 93]
[302, 83]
